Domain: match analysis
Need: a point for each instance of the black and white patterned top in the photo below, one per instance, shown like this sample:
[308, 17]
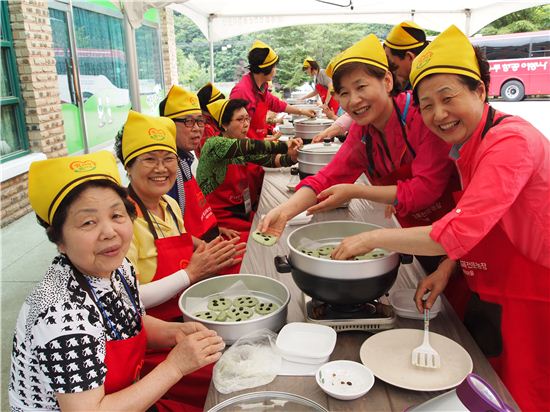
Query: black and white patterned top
[59, 341]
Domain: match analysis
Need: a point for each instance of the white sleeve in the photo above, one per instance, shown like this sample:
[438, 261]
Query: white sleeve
[159, 291]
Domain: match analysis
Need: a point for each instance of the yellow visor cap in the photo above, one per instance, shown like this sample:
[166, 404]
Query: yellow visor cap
[271, 57]
[306, 63]
[450, 53]
[367, 50]
[51, 180]
[180, 103]
[400, 37]
[144, 134]
[217, 109]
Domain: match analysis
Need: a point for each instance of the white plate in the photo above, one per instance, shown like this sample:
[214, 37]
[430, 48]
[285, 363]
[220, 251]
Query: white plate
[403, 304]
[388, 355]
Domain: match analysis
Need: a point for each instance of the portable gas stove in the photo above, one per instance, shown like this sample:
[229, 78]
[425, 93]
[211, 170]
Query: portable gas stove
[371, 317]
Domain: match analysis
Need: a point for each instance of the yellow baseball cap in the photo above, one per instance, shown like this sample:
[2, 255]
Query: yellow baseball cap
[400, 36]
[271, 57]
[307, 61]
[367, 50]
[144, 134]
[450, 53]
[180, 102]
[217, 109]
[51, 180]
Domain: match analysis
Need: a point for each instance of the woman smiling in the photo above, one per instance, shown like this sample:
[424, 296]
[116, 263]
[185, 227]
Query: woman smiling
[82, 333]
[167, 259]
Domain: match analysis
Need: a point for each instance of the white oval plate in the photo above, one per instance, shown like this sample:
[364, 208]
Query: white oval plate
[388, 355]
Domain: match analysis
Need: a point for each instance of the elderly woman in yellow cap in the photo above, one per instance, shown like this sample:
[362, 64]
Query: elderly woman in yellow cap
[183, 108]
[222, 167]
[322, 82]
[403, 43]
[165, 256]
[498, 231]
[406, 164]
[207, 94]
[253, 88]
[81, 334]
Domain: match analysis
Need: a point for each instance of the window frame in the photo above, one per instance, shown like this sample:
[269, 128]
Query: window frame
[15, 100]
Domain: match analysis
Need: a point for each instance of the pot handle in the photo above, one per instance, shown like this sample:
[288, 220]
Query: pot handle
[405, 259]
[282, 264]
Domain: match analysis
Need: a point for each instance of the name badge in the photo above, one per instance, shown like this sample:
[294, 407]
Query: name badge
[247, 201]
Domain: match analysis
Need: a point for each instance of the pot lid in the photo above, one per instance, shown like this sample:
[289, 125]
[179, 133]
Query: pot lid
[330, 147]
[316, 121]
[268, 400]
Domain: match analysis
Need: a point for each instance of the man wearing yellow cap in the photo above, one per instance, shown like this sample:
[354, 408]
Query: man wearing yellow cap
[183, 108]
[403, 43]
[498, 230]
[207, 94]
[253, 88]
[82, 333]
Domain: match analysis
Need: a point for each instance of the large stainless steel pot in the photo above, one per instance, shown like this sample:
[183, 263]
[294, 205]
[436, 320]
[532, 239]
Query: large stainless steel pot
[257, 285]
[307, 129]
[313, 157]
[337, 282]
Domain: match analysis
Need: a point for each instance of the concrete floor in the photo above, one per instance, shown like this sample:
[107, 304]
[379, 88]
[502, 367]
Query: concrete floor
[26, 252]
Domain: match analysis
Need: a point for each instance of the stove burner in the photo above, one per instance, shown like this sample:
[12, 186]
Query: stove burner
[369, 310]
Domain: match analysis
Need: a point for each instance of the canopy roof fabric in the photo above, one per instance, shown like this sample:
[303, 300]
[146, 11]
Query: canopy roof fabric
[222, 19]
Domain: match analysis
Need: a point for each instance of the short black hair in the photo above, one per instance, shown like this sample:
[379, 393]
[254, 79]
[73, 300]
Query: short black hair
[471, 83]
[162, 106]
[234, 104]
[257, 57]
[55, 230]
[371, 70]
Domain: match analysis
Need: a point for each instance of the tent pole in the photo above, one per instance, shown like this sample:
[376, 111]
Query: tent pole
[131, 59]
[468, 13]
[211, 46]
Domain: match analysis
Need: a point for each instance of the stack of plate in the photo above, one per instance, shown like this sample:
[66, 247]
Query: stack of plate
[304, 347]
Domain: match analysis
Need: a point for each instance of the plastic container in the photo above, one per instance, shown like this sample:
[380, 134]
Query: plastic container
[306, 342]
[345, 380]
[402, 301]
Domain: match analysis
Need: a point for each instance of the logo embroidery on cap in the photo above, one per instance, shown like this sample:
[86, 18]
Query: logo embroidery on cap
[424, 60]
[156, 134]
[79, 166]
[193, 100]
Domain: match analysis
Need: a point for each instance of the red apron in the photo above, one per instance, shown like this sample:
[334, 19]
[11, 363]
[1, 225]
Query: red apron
[258, 131]
[210, 129]
[173, 254]
[404, 171]
[510, 320]
[332, 103]
[198, 217]
[232, 205]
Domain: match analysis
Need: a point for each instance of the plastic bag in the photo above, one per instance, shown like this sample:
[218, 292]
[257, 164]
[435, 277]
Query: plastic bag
[251, 361]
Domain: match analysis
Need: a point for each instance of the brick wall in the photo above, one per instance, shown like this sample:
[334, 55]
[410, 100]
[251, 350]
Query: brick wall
[168, 41]
[32, 37]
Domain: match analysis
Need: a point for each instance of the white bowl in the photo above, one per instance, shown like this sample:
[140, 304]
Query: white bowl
[306, 342]
[345, 380]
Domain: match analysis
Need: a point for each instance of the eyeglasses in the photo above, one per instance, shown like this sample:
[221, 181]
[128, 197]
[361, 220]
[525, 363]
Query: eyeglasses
[189, 123]
[242, 119]
[150, 162]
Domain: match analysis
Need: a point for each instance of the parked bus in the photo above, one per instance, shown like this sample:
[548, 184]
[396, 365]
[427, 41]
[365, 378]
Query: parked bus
[520, 63]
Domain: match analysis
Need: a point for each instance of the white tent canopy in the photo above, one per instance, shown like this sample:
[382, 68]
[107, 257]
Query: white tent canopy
[222, 19]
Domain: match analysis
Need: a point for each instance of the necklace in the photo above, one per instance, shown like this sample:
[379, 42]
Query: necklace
[156, 222]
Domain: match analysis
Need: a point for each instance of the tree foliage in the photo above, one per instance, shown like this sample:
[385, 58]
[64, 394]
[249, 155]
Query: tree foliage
[293, 44]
